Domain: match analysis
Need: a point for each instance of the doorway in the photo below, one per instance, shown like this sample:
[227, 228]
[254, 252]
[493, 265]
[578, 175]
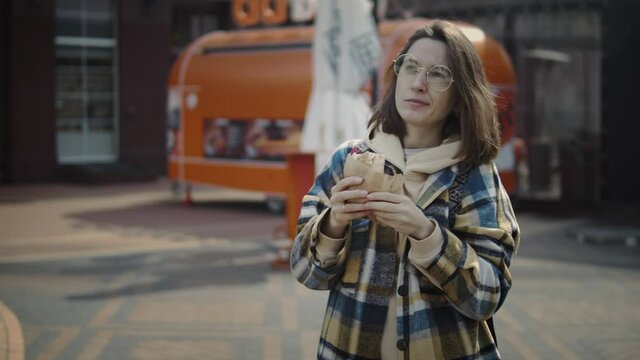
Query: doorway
[86, 82]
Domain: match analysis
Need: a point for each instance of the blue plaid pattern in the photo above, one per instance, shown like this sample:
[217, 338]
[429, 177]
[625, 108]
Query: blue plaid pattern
[446, 304]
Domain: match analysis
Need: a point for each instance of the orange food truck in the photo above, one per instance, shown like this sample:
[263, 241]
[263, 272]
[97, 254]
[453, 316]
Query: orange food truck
[237, 101]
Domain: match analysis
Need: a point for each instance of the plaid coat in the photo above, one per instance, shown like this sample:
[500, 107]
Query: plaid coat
[442, 307]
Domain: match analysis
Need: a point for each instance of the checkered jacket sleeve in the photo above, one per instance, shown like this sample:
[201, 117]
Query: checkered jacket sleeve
[315, 205]
[473, 265]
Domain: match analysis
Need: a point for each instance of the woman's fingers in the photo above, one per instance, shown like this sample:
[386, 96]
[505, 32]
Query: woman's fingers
[341, 194]
[381, 206]
[346, 183]
[343, 213]
[356, 215]
[354, 207]
[349, 209]
[345, 196]
[384, 202]
[385, 196]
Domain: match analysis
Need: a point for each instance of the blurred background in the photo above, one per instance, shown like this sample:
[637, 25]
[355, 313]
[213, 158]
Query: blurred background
[109, 251]
[84, 86]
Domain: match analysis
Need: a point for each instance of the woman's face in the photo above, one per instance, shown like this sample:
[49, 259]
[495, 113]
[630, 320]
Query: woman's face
[420, 104]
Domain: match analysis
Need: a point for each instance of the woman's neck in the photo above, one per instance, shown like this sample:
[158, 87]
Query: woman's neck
[423, 137]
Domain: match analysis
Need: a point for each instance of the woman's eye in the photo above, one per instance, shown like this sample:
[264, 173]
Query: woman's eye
[411, 68]
[439, 75]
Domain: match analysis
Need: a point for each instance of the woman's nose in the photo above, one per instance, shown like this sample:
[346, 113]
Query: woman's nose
[419, 82]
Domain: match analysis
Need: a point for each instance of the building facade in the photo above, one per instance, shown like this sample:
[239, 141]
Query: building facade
[84, 85]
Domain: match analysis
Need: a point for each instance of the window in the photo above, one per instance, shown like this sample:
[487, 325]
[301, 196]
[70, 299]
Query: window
[86, 81]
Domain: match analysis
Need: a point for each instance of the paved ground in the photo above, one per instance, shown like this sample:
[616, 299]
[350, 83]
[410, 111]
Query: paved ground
[127, 272]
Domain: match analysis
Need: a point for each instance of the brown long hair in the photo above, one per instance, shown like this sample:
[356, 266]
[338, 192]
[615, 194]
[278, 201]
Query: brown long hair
[475, 117]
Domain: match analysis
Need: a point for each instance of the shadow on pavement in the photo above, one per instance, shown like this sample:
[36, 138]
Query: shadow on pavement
[171, 219]
[175, 271]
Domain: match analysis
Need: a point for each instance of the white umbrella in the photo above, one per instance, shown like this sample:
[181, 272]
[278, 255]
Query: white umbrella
[345, 51]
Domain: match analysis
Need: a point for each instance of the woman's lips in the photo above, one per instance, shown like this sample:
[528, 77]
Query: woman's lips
[417, 102]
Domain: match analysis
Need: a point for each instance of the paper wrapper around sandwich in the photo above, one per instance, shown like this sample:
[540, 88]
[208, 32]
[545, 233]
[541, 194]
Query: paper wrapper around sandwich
[370, 167]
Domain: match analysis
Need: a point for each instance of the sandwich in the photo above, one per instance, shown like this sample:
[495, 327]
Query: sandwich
[370, 167]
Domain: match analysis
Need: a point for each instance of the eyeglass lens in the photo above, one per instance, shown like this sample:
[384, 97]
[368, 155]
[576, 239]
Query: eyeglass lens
[438, 77]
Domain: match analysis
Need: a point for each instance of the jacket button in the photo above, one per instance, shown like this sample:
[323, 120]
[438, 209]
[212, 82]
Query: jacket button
[403, 290]
[402, 344]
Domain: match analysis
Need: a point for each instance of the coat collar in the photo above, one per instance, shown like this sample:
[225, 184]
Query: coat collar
[435, 185]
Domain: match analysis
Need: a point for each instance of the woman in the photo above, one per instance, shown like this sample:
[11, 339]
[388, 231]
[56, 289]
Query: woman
[415, 274]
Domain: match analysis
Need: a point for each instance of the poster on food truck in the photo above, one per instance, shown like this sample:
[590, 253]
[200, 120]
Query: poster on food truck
[259, 139]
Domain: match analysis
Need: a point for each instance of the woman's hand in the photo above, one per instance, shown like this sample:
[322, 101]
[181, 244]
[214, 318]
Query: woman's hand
[343, 207]
[400, 213]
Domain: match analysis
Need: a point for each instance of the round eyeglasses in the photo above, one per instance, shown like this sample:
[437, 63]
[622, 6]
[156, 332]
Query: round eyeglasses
[438, 77]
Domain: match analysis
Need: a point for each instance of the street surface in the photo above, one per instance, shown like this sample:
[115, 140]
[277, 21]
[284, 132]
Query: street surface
[128, 272]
